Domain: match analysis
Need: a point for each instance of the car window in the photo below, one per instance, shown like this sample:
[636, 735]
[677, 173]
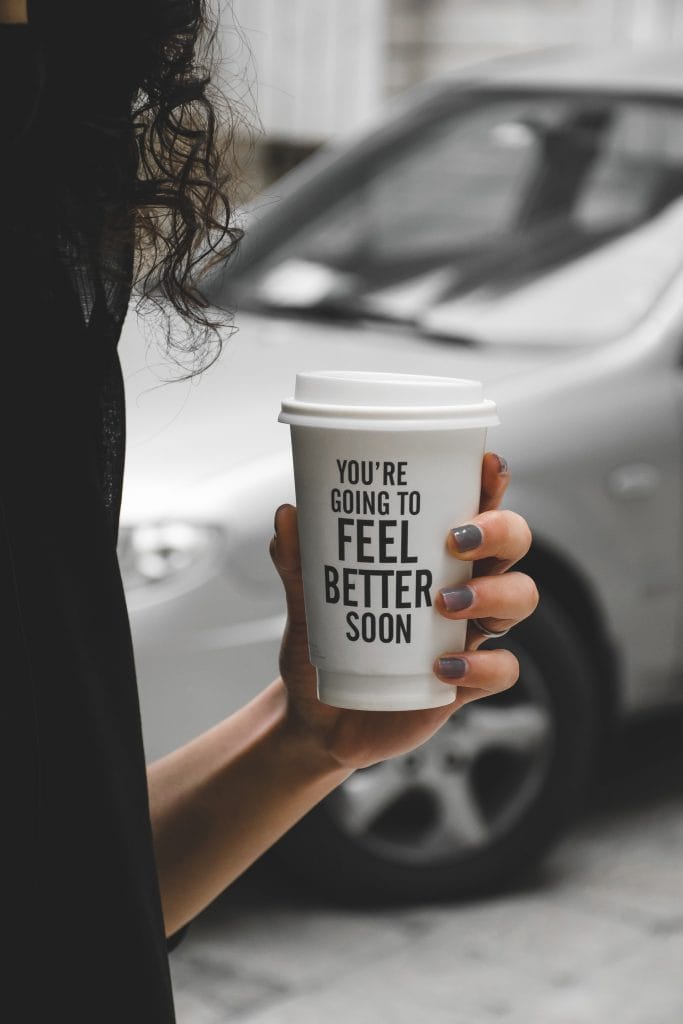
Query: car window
[481, 203]
[458, 182]
[462, 182]
[640, 168]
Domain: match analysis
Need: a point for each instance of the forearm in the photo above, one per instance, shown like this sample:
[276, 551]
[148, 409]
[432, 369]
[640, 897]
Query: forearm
[13, 12]
[220, 801]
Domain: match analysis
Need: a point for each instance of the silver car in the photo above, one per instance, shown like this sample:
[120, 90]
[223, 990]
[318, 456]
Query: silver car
[522, 225]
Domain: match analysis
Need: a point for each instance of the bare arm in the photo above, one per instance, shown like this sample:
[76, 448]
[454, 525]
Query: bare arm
[220, 801]
[13, 12]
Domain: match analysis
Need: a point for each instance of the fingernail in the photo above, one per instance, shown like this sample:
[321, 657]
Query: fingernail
[457, 598]
[451, 668]
[467, 537]
[502, 464]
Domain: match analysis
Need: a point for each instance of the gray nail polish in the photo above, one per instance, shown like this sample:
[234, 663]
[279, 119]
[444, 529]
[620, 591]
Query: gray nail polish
[452, 668]
[467, 537]
[457, 598]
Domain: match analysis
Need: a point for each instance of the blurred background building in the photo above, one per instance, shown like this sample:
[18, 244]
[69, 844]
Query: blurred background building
[317, 68]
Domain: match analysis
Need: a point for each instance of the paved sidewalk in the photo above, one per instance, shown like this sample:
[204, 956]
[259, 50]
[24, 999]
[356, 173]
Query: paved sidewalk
[598, 939]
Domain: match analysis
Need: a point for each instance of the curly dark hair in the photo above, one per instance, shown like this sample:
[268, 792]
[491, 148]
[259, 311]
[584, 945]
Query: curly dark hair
[184, 130]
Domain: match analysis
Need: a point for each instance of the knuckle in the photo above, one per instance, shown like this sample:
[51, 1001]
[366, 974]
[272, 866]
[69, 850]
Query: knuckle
[506, 525]
[523, 529]
[493, 520]
[532, 594]
[512, 669]
[536, 596]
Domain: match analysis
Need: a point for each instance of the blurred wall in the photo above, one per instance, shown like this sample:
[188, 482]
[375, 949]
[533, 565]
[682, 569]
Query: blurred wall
[426, 38]
[318, 63]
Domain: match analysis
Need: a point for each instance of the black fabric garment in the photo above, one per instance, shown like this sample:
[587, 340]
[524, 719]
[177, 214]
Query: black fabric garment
[86, 933]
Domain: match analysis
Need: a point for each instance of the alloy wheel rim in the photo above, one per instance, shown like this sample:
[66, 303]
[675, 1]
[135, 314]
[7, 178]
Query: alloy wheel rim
[462, 790]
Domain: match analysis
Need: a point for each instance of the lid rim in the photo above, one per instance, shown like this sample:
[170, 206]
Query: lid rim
[484, 415]
[364, 389]
[319, 407]
[325, 411]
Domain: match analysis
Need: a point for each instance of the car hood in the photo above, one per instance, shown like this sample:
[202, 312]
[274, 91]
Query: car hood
[195, 445]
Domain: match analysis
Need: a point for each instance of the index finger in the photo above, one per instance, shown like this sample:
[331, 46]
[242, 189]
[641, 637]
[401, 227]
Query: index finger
[495, 477]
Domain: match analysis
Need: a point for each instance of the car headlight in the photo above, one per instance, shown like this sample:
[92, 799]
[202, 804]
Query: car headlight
[154, 553]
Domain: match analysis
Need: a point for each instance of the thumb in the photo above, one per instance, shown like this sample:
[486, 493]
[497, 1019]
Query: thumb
[285, 554]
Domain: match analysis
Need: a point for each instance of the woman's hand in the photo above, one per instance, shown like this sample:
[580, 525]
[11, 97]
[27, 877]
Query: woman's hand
[494, 541]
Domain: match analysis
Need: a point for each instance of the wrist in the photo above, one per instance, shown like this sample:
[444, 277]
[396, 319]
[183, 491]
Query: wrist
[305, 745]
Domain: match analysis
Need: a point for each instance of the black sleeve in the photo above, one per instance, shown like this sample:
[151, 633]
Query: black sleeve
[22, 77]
[174, 940]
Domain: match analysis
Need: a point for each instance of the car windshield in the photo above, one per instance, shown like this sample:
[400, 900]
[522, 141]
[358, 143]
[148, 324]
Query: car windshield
[507, 217]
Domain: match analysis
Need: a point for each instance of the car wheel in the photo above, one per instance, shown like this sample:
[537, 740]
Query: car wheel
[478, 803]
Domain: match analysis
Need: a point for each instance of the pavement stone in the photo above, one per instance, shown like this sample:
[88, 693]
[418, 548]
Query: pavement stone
[596, 939]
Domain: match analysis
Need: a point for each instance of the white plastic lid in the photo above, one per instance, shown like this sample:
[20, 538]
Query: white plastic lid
[391, 401]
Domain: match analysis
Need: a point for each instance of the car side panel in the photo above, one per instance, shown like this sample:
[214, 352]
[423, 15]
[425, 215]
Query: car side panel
[598, 476]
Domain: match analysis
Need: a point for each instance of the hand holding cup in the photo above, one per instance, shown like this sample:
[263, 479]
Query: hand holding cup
[357, 738]
[383, 462]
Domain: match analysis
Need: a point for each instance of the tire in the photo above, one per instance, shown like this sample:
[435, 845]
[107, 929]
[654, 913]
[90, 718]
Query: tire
[524, 810]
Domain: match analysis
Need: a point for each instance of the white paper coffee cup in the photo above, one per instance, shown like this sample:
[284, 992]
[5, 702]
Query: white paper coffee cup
[385, 464]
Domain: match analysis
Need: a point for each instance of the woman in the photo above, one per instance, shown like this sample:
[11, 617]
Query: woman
[110, 171]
